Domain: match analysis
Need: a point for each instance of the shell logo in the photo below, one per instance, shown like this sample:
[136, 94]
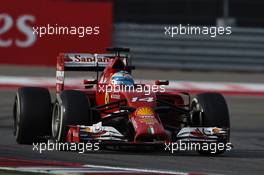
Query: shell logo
[216, 130]
[87, 130]
[144, 111]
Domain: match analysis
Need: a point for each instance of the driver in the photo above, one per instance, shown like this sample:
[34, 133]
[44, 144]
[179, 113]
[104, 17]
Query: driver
[122, 78]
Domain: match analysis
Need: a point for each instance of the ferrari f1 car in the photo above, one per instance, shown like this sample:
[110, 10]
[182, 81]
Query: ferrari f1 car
[94, 113]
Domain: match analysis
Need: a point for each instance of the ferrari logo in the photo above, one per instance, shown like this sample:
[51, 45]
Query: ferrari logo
[106, 98]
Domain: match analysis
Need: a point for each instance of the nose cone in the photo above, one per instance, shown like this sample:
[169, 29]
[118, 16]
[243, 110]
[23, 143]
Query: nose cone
[147, 125]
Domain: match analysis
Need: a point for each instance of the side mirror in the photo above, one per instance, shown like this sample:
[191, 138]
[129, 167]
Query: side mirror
[90, 82]
[162, 82]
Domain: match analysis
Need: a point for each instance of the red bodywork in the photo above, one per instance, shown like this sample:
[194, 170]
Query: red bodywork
[146, 123]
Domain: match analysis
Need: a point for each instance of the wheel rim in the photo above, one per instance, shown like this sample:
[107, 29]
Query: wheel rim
[17, 117]
[56, 121]
[197, 108]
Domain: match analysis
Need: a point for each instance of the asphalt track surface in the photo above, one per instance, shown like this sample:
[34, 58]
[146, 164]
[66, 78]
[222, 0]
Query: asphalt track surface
[247, 133]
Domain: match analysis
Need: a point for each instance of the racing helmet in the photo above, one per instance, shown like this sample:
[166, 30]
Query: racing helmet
[122, 78]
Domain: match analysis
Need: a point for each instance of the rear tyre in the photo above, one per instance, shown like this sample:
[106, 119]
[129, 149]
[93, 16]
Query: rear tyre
[71, 108]
[32, 114]
[211, 111]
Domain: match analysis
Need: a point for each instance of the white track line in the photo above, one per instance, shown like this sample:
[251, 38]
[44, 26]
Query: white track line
[138, 170]
[180, 85]
[93, 169]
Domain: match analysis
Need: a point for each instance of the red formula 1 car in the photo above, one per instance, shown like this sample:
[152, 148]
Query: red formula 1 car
[115, 109]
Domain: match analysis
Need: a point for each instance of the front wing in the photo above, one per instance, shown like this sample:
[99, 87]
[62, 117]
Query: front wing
[108, 134]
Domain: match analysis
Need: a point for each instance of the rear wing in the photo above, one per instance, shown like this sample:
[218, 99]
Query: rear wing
[86, 61]
[83, 62]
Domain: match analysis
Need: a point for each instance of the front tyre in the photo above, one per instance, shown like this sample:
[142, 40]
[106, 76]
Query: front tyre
[71, 108]
[211, 110]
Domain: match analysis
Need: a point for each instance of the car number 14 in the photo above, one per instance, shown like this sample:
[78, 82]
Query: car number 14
[147, 99]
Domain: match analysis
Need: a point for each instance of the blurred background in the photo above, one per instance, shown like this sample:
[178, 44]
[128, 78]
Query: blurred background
[139, 25]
